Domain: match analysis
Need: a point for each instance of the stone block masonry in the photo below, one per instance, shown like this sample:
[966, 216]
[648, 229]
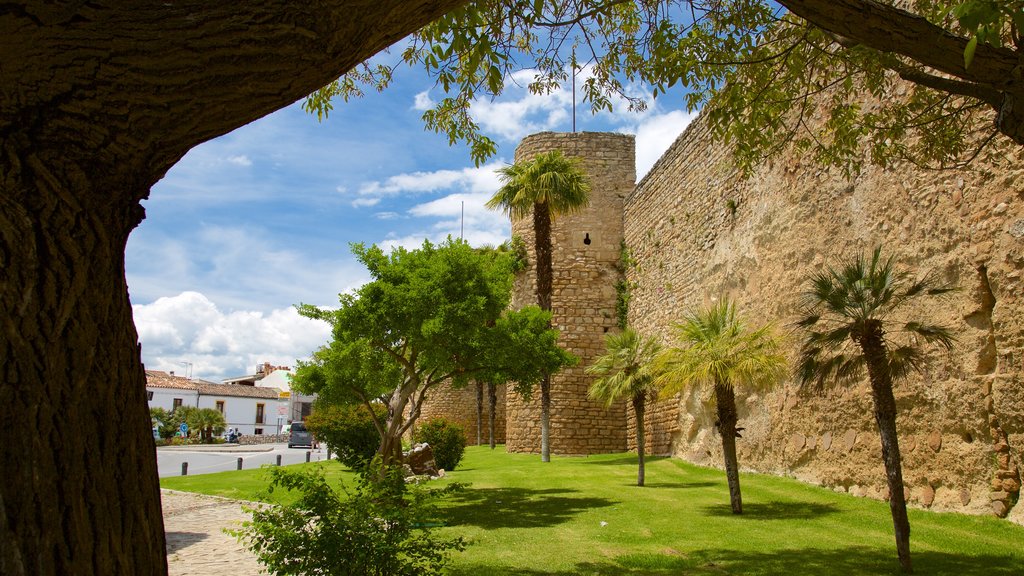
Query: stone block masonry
[583, 300]
[459, 406]
[698, 231]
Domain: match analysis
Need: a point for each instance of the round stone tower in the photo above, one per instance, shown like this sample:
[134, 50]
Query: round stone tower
[585, 255]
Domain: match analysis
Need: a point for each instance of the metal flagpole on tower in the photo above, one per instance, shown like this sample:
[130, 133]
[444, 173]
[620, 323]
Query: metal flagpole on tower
[573, 63]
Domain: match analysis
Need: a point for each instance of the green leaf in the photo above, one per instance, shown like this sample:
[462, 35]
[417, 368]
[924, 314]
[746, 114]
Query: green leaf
[972, 45]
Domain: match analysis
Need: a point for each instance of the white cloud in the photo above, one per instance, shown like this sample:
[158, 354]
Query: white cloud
[365, 202]
[423, 101]
[239, 268]
[386, 215]
[241, 160]
[476, 179]
[655, 134]
[190, 328]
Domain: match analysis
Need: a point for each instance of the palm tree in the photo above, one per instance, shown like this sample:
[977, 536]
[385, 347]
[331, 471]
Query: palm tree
[851, 315]
[207, 421]
[718, 353]
[550, 185]
[626, 371]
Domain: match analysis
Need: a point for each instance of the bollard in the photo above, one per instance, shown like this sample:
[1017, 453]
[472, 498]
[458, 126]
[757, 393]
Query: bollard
[239, 463]
[307, 455]
[184, 468]
[278, 459]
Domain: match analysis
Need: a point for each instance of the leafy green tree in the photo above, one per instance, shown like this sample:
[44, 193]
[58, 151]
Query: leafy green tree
[626, 370]
[446, 439]
[853, 316]
[165, 421]
[381, 528]
[82, 145]
[761, 70]
[547, 186]
[78, 206]
[718, 354]
[349, 430]
[431, 315]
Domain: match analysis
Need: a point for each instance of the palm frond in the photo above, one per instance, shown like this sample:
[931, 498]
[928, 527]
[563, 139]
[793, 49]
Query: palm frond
[932, 334]
[903, 360]
[716, 348]
[846, 302]
[625, 370]
[552, 179]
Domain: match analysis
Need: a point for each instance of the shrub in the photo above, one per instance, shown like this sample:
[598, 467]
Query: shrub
[348, 431]
[380, 529]
[447, 440]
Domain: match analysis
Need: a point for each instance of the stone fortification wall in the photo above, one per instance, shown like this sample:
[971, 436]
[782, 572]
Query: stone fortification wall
[583, 303]
[698, 232]
[459, 406]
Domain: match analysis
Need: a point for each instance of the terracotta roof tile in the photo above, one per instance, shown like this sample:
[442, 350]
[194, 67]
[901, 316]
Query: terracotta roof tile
[158, 379]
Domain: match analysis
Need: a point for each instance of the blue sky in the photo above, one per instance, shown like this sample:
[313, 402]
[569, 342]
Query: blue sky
[249, 224]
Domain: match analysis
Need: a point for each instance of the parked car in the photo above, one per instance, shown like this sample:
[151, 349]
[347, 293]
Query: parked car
[299, 436]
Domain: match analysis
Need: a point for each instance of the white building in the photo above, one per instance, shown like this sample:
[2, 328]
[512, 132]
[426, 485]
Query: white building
[278, 378]
[249, 409]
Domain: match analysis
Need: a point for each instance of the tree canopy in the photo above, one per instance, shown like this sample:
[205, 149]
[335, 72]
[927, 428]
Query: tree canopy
[764, 70]
[430, 315]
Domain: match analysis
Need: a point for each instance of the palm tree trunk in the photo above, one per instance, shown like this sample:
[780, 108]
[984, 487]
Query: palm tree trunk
[492, 394]
[725, 398]
[479, 413]
[545, 419]
[542, 246]
[638, 409]
[873, 347]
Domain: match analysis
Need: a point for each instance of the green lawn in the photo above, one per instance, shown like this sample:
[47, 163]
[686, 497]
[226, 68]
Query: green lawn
[586, 516]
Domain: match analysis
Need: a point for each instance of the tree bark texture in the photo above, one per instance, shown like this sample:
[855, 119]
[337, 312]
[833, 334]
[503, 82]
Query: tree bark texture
[725, 400]
[996, 75]
[80, 492]
[641, 448]
[479, 413]
[97, 101]
[492, 396]
[545, 273]
[873, 347]
[545, 419]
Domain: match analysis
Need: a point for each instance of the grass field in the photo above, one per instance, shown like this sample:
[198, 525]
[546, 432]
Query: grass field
[586, 516]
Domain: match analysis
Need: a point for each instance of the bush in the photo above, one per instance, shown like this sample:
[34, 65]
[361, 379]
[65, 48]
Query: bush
[348, 431]
[381, 529]
[447, 440]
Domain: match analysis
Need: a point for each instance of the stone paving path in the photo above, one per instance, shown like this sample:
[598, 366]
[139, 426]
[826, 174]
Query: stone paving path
[196, 542]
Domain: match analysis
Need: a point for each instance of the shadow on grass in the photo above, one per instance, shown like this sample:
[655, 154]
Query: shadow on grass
[771, 510]
[181, 540]
[517, 507]
[625, 459]
[809, 561]
[683, 485]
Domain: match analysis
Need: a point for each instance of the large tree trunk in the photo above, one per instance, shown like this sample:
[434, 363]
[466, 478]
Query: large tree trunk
[97, 101]
[873, 346]
[993, 76]
[725, 399]
[641, 447]
[80, 493]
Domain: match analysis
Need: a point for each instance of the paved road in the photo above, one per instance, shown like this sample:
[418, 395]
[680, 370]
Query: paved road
[220, 458]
